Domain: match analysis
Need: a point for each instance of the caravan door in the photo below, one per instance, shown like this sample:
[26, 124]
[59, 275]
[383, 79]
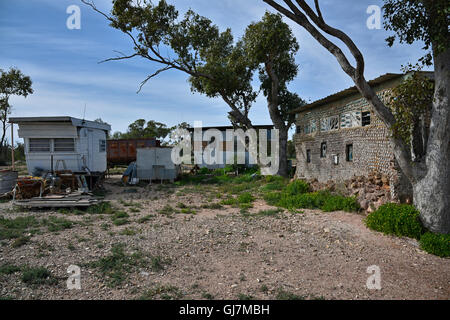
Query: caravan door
[90, 153]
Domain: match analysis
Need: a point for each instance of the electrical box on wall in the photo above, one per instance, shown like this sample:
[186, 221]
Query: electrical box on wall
[336, 159]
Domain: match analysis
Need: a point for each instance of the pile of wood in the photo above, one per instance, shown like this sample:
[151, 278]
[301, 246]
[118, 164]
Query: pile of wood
[74, 199]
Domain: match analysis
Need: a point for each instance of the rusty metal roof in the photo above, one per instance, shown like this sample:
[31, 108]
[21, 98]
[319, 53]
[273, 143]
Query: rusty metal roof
[351, 91]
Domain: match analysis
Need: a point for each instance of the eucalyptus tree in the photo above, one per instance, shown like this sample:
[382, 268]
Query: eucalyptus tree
[271, 45]
[12, 83]
[216, 65]
[410, 20]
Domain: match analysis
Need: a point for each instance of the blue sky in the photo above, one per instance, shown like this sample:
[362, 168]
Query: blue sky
[63, 63]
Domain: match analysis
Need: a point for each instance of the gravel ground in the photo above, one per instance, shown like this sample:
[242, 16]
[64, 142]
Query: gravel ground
[220, 253]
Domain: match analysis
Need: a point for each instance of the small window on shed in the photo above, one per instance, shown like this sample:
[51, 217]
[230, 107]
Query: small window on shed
[102, 147]
[323, 149]
[39, 145]
[308, 156]
[349, 152]
[365, 118]
[64, 145]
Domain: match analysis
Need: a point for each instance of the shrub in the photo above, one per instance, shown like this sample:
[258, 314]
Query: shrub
[396, 219]
[297, 187]
[37, 276]
[245, 197]
[101, 208]
[9, 269]
[335, 203]
[272, 198]
[437, 244]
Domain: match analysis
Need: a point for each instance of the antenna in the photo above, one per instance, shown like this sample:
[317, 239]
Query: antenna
[84, 112]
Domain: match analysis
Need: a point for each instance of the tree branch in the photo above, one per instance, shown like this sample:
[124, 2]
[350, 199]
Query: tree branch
[401, 150]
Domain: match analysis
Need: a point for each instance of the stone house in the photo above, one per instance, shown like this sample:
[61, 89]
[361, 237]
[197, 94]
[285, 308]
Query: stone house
[340, 139]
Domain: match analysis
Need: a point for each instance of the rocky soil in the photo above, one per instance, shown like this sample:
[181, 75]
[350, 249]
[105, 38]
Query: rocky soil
[217, 253]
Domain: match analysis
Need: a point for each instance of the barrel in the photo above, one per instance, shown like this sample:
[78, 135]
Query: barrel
[8, 180]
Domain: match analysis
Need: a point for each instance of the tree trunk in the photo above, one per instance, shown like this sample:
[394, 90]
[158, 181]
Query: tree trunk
[432, 190]
[283, 140]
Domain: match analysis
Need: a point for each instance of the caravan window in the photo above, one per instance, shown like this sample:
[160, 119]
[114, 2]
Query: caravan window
[102, 146]
[64, 145]
[39, 145]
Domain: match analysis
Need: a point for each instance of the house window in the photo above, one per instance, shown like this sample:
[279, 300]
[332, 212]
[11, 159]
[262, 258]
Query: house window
[349, 152]
[64, 145]
[365, 118]
[39, 145]
[323, 150]
[308, 156]
[102, 147]
[299, 130]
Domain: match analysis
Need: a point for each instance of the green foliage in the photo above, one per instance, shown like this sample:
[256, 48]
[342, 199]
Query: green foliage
[396, 219]
[22, 240]
[242, 296]
[285, 295]
[163, 292]
[272, 198]
[101, 208]
[413, 20]
[410, 101]
[15, 228]
[271, 45]
[437, 244]
[119, 218]
[57, 224]
[9, 269]
[37, 276]
[245, 197]
[12, 83]
[118, 264]
[144, 129]
[296, 187]
[295, 196]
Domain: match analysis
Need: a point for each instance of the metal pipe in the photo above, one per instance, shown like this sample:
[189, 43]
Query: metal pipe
[12, 148]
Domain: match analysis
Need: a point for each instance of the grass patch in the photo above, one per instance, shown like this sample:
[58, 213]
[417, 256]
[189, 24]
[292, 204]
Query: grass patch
[38, 276]
[167, 210]
[55, 224]
[120, 218]
[396, 219]
[286, 295]
[101, 208]
[117, 265]
[162, 292]
[22, 240]
[245, 197]
[207, 296]
[9, 269]
[242, 296]
[437, 244]
[157, 263]
[146, 218]
[15, 228]
[128, 232]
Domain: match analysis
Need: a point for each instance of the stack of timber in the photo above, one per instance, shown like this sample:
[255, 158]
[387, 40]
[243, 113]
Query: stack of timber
[75, 199]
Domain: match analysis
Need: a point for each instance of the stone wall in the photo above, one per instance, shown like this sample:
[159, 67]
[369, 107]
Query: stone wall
[372, 150]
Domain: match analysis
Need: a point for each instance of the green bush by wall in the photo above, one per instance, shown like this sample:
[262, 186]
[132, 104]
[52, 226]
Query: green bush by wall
[437, 244]
[397, 219]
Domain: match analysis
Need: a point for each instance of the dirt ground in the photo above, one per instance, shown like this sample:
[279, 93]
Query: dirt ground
[218, 253]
